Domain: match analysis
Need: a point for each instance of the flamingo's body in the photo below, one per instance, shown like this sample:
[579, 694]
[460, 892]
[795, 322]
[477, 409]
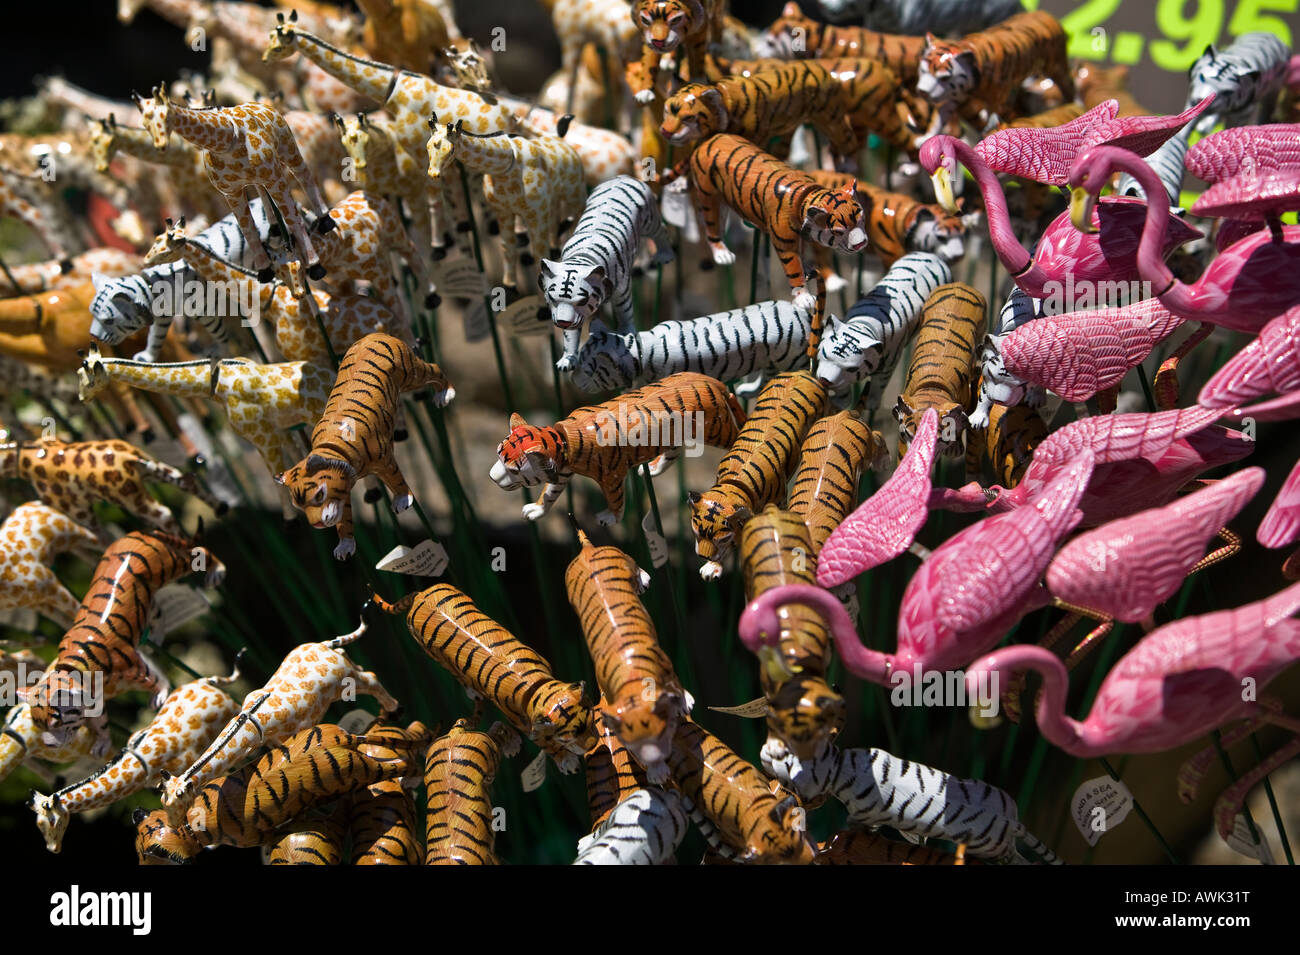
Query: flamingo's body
[1270, 363]
[1281, 525]
[1232, 151]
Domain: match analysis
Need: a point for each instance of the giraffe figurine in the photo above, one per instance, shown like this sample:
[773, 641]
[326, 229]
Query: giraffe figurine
[346, 318]
[181, 159]
[187, 722]
[36, 277]
[409, 98]
[20, 200]
[535, 183]
[308, 681]
[22, 741]
[246, 145]
[29, 540]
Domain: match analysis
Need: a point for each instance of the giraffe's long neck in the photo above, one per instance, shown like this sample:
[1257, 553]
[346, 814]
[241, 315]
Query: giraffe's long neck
[126, 774]
[490, 155]
[368, 77]
[214, 130]
[139, 144]
[186, 379]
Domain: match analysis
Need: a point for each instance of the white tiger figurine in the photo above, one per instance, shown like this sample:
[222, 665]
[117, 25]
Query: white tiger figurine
[123, 306]
[866, 345]
[1246, 76]
[918, 17]
[760, 338]
[645, 828]
[997, 385]
[596, 262]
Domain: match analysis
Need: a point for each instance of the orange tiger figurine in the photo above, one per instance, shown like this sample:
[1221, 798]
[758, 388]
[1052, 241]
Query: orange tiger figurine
[354, 437]
[381, 819]
[755, 471]
[795, 36]
[804, 713]
[666, 25]
[491, 662]
[942, 369]
[612, 773]
[825, 486]
[317, 839]
[651, 425]
[1008, 442]
[460, 824]
[787, 204]
[734, 803]
[1096, 83]
[99, 656]
[857, 846]
[763, 106]
[643, 698]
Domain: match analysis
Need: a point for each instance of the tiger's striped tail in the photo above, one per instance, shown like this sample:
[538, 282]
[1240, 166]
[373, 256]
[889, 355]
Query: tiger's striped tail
[675, 171]
[823, 273]
[166, 474]
[342, 641]
[1037, 848]
[399, 607]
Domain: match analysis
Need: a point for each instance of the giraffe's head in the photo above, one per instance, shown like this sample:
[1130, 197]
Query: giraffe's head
[51, 819]
[92, 376]
[169, 245]
[469, 67]
[156, 112]
[444, 140]
[354, 133]
[283, 40]
[103, 142]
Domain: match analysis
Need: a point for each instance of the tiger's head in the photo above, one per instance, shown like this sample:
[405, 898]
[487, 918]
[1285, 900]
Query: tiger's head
[805, 713]
[320, 487]
[120, 308]
[938, 231]
[63, 700]
[781, 836]
[607, 360]
[562, 723]
[573, 292]
[834, 218]
[790, 37]
[159, 843]
[947, 72]
[1233, 84]
[645, 720]
[846, 356]
[664, 24]
[717, 517]
[952, 426]
[529, 456]
[998, 385]
[692, 113]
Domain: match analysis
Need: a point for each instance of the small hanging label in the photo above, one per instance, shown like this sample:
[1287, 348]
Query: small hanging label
[174, 605]
[750, 711]
[475, 322]
[459, 278]
[427, 559]
[1099, 805]
[654, 540]
[357, 721]
[676, 207]
[1242, 841]
[534, 773]
[525, 317]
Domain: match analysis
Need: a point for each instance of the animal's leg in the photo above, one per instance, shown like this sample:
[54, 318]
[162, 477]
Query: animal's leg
[1195, 767]
[1231, 799]
[623, 309]
[347, 544]
[788, 252]
[293, 160]
[612, 486]
[278, 192]
[1165, 385]
[1232, 544]
[261, 260]
[708, 209]
[369, 684]
[550, 495]
[665, 460]
[388, 472]
[58, 604]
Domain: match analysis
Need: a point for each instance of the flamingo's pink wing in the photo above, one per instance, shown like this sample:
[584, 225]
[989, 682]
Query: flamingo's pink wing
[1142, 135]
[1230, 151]
[1270, 363]
[1251, 195]
[885, 524]
[1043, 154]
[1281, 525]
[1284, 408]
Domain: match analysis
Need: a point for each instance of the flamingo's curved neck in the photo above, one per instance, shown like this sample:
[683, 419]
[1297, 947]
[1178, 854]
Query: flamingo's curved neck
[1059, 729]
[859, 660]
[1150, 258]
[1013, 255]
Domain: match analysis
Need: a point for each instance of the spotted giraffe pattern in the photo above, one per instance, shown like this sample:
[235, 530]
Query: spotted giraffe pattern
[21, 740]
[49, 275]
[19, 200]
[605, 154]
[246, 145]
[606, 23]
[537, 183]
[182, 161]
[29, 540]
[318, 143]
[71, 476]
[309, 679]
[188, 721]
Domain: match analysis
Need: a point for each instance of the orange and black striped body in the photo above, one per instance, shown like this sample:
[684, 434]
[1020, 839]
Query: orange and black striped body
[612, 773]
[605, 441]
[795, 36]
[105, 634]
[1096, 83]
[688, 26]
[490, 661]
[736, 799]
[857, 846]
[643, 698]
[1007, 443]
[317, 840]
[942, 369]
[803, 711]
[756, 471]
[825, 486]
[458, 774]
[354, 437]
[382, 820]
[787, 204]
[765, 107]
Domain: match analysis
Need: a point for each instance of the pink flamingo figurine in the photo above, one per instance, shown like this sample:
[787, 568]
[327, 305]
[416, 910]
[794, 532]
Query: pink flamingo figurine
[1123, 570]
[1281, 525]
[1232, 151]
[1180, 682]
[962, 600]
[1283, 408]
[885, 524]
[1081, 353]
[1108, 255]
[1243, 287]
[1270, 363]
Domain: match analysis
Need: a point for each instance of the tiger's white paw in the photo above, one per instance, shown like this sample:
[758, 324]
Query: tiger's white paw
[346, 548]
[722, 255]
[805, 300]
[402, 502]
[834, 283]
[711, 570]
[568, 764]
[443, 398]
[534, 511]
[605, 518]
[645, 97]
[566, 362]
[146, 356]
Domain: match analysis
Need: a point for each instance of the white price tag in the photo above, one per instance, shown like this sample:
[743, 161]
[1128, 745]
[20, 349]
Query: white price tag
[459, 278]
[174, 605]
[475, 322]
[1099, 805]
[751, 710]
[534, 773]
[357, 721]
[525, 317]
[654, 540]
[1242, 841]
[676, 207]
[427, 559]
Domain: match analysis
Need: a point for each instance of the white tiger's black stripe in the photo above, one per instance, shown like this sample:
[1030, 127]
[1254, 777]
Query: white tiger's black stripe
[1246, 76]
[867, 344]
[645, 828]
[1168, 163]
[997, 385]
[764, 337]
